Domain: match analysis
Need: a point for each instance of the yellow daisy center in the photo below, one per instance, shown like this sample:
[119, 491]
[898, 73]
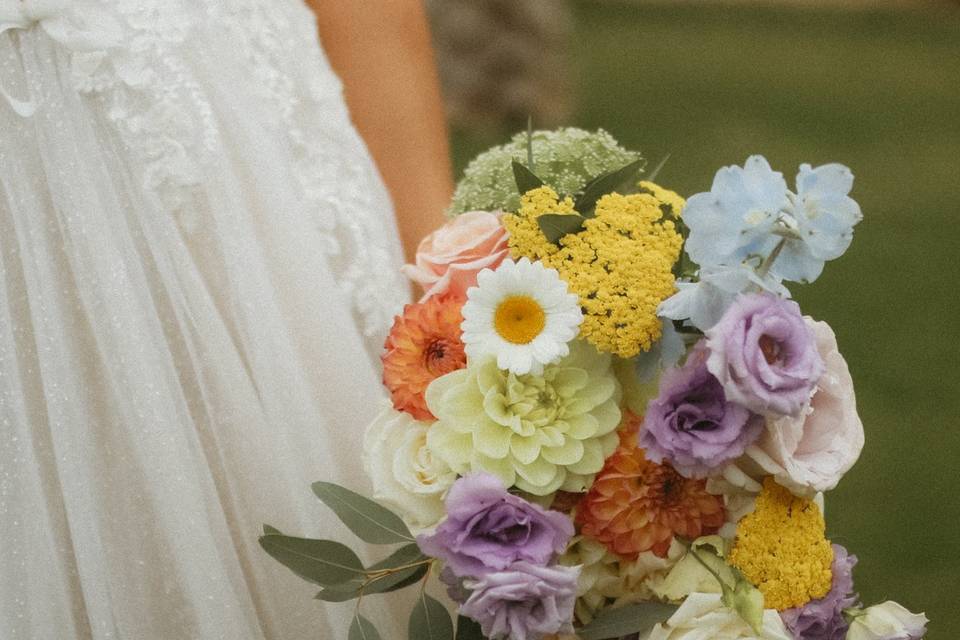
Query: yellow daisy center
[519, 319]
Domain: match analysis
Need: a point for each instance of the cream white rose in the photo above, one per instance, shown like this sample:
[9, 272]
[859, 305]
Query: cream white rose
[887, 621]
[703, 615]
[406, 476]
[811, 452]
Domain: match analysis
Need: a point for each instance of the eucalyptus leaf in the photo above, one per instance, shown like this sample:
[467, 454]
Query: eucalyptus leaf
[322, 562]
[388, 583]
[397, 581]
[429, 620]
[468, 629]
[525, 178]
[270, 531]
[604, 184]
[362, 629]
[405, 555]
[556, 225]
[632, 618]
[340, 593]
[368, 520]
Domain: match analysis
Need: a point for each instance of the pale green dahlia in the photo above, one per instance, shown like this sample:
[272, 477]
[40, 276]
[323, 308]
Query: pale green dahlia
[566, 159]
[538, 433]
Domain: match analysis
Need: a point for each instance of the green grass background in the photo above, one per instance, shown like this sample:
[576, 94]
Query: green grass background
[880, 92]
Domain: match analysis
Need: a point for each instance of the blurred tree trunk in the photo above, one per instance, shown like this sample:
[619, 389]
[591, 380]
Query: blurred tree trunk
[502, 61]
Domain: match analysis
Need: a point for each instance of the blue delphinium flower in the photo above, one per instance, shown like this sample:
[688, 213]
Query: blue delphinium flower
[821, 217]
[736, 220]
[750, 217]
[704, 302]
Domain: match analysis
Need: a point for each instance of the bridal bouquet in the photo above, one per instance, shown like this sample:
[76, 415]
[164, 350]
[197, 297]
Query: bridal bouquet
[608, 417]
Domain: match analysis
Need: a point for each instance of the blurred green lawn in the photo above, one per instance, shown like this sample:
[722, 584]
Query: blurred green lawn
[880, 92]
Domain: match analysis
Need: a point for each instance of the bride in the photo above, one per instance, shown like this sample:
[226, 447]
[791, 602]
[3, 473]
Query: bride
[198, 265]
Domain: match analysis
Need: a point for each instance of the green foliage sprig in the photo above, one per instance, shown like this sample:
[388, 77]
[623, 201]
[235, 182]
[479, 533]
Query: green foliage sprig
[343, 577]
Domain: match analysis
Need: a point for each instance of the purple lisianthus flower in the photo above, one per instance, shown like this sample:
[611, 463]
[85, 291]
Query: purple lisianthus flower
[692, 424]
[765, 355]
[526, 602]
[488, 529]
[823, 619]
[454, 585]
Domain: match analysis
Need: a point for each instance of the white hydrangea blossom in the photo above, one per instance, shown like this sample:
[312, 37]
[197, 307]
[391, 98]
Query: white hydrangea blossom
[566, 159]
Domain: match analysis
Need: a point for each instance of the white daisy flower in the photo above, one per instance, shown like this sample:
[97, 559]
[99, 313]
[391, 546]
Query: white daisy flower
[522, 314]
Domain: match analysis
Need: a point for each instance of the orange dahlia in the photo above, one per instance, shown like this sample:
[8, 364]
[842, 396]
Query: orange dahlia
[424, 344]
[636, 505]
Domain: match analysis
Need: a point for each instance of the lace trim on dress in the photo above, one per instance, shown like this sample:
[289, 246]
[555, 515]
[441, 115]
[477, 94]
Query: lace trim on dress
[148, 94]
[130, 55]
[340, 182]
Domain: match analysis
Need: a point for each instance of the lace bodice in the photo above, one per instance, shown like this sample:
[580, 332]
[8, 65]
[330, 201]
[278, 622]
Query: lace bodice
[144, 66]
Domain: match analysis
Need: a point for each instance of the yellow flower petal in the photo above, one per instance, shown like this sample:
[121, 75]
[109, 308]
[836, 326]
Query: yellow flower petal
[592, 459]
[539, 477]
[569, 453]
[492, 439]
[525, 449]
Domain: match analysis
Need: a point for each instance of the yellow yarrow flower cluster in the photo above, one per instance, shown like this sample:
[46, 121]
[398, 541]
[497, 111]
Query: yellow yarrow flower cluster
[665, 196]
[781, 548]
[620, 264]
[526, 239]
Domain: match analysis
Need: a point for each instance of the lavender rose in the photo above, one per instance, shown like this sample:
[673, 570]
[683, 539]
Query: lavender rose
[526, 602]
[488, 529]
[765, 355]
[692, 424]
[811, 452]
[823, 619]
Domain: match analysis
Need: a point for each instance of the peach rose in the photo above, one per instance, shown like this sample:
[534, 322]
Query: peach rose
[811, 452]
[450, 258]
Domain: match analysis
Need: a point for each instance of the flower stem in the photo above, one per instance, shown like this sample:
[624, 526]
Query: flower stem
[765, 266]
[716, 575]
[376, 575]
[426, 577]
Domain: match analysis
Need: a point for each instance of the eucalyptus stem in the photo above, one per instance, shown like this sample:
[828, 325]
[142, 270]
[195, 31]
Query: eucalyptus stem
[376, 575]
[426, 577]
[356, 609]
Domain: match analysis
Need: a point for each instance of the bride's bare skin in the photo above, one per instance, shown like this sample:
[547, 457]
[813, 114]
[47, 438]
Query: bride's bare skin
[382, 52]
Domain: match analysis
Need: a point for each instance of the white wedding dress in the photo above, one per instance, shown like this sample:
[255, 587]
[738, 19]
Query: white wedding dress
[198, 264]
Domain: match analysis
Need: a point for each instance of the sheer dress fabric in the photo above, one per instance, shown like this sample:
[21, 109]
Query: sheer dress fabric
[198, 264]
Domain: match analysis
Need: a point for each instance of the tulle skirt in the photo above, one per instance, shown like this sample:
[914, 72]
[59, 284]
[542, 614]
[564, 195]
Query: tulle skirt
[168, 383]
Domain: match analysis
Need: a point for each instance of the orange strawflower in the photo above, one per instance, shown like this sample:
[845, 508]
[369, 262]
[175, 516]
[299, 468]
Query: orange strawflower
[636, 505]
[424, 344]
